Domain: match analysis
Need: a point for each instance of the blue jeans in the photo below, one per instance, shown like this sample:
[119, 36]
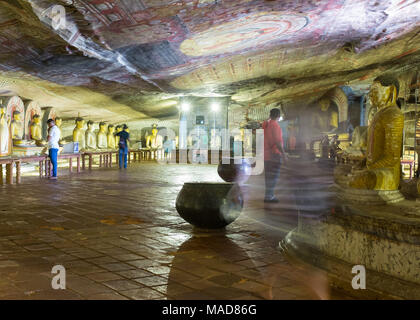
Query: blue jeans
[123, 152]
[52, 153]
[272, 174]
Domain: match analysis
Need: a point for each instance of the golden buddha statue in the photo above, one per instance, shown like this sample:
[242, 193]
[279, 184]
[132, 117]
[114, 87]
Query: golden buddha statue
[79, 133]
[111, 137]
[384, 141]
[118, 129]
[36, 131]
[357, 149]
[4, 132]
[154, 141]
[16, 128]
[101, 138]
[90, 136]
[58, 122]
[324, 119]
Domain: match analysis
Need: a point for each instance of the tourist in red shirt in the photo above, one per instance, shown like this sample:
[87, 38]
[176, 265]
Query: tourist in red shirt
[273, 153]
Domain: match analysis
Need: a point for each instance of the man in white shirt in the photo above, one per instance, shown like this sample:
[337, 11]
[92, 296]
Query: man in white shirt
[53, 138]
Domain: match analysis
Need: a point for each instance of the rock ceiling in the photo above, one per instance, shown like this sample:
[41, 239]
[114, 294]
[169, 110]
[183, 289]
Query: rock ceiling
[131, 59]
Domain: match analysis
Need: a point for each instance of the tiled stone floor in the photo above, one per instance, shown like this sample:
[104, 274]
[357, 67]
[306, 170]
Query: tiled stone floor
[119, 236]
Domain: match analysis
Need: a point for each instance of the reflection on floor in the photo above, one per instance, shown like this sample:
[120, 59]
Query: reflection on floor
[118, 235]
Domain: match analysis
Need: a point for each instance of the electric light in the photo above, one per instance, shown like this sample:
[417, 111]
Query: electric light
[215, 107]
[185, 107]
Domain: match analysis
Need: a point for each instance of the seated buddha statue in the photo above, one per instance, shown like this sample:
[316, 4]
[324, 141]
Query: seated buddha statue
[79, 133]
[384, 141]
[36, 131]
[101, 138]
[16, 128]
[111, 137]
[58, 123]
[90, 136]
[357, 149]
[324, 118]
[154, 141]
[4, 132]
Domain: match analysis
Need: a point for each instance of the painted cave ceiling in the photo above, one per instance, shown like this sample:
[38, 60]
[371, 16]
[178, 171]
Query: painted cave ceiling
[132, 59]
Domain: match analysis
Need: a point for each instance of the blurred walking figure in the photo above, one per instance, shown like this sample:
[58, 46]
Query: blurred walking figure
[53, 138]
[123, 146]
[273, 153]
[167, 147]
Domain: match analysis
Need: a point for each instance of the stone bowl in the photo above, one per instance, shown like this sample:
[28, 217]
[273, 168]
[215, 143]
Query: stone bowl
[234, 172]
[209, 205]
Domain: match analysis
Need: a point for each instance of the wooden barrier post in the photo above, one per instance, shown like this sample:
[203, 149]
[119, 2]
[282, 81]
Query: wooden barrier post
[1, 174]
[46, 167]
[9, 173]
[40, 168]
[70, 165]
[18, 173]
[90, 161]
[78, 164]
[83, 161]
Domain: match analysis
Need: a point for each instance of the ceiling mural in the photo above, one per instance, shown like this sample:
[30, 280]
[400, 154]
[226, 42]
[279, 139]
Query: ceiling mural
[251, 31]
[133, 53]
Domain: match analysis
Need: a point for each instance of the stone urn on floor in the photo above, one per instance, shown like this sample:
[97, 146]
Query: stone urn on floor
[209, 205]
[234, 169]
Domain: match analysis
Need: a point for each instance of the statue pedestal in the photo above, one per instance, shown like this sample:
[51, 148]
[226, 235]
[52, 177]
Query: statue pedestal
[27, 150]
[410, 188]
[369, 197]
[383, 239]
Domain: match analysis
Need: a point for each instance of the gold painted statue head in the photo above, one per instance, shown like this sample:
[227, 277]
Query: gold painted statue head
[154, 130]
[111, 128]
[90, 124]
[36, 119]
[16, 115]
[58, 121]
[324, 104]
[383, 93]
[119, 128]
[80, 123]
[102, 126]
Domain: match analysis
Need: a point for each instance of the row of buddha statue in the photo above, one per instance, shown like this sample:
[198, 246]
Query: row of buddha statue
[89, 140]
[15, 136]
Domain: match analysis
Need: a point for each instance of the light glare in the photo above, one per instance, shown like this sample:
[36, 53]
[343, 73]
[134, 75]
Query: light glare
[185, 107]
[215, 107]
